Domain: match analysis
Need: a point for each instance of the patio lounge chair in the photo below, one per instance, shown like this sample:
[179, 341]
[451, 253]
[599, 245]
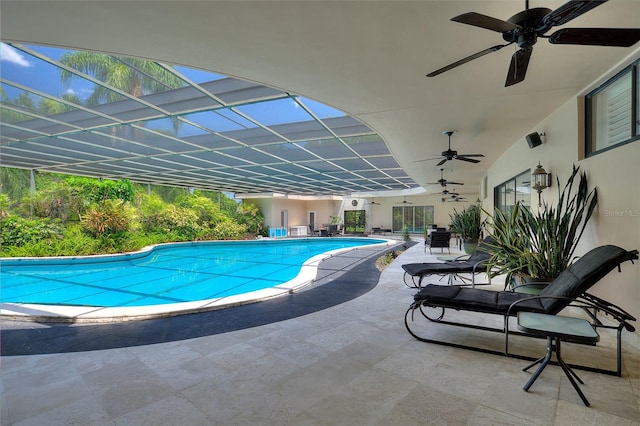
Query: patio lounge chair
[465, 264]
[567, 289]
[438, 239]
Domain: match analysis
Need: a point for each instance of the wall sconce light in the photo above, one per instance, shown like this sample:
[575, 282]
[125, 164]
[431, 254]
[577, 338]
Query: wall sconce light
[540, 180]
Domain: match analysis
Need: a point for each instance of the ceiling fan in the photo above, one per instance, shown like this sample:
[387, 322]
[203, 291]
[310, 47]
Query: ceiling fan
[404, 201]
[443, 182]
[449, 193]
[525, 27]
[450, 154]
[453, 200]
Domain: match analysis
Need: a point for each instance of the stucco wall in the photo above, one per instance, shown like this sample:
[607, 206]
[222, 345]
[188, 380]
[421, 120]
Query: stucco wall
[614, 173]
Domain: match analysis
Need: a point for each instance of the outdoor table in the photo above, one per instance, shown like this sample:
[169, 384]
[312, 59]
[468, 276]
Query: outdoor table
[556, 328]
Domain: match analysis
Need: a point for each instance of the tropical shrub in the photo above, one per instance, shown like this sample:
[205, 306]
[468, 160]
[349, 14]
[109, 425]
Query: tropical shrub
[97, 190]
[4, 206]
[82, 216]
[150, 206]
[251, 216]
[208, 212]
[181, 221]
[108, 217]
[228, 230]
[17, 231]
[59, 201]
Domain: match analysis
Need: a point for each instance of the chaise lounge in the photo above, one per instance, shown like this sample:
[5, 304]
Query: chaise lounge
[474, 264]
[567, 289]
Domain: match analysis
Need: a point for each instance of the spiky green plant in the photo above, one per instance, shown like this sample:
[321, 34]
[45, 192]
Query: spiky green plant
[542, 244]
[468, 223]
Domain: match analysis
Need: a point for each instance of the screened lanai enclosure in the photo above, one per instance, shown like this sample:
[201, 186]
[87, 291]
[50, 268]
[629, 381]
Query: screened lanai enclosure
[93, 114]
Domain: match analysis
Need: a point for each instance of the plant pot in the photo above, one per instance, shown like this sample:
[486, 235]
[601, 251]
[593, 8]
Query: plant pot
[470, 245]
[529, 285]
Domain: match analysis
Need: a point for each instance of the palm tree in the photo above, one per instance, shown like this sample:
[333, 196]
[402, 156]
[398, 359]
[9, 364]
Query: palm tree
[136, 77]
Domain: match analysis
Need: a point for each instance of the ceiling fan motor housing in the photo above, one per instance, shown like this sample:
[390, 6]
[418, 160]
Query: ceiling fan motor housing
[531, 23]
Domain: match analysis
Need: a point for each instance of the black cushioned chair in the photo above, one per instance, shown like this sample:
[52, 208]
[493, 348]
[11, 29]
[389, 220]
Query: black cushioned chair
[465, 264]
[570, 288]
[438, 239]
[313, 232]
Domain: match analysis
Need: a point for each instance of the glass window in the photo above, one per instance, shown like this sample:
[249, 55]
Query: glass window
[415, 218]
[612, 112]
[515, 189]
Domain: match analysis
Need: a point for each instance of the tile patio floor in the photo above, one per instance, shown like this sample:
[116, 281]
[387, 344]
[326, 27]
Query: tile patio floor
[349, 364]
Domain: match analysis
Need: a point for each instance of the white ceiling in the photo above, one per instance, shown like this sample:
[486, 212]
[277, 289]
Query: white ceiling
[368, 58]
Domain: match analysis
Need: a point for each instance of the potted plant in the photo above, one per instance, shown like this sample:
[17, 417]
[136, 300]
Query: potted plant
[542, 244]
[406, 237]
[468, 225]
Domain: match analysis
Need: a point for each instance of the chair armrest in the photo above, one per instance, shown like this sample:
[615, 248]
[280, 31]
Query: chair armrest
[535, 286]
[459, 258]
[581, 302]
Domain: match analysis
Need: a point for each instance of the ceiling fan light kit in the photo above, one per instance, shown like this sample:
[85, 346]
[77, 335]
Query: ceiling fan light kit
[525, 27]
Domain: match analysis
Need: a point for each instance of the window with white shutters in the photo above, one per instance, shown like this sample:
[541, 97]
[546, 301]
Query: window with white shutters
[612, 112]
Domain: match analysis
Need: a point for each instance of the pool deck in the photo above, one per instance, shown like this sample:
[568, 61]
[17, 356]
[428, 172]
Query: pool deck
[350, 362]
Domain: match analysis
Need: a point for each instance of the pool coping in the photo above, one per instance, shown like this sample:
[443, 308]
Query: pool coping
[91, 314]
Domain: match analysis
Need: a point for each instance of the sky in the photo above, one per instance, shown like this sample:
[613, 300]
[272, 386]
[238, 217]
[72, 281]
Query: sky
[28, 70]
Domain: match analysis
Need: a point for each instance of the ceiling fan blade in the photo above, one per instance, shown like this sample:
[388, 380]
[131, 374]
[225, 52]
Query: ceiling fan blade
[467, 59]
[518, 66]
[454, 183]
[618, 37]
[570, 11]
[469, 160]
[427, 159]
[444, 160]
[470, 155]
[486, 22]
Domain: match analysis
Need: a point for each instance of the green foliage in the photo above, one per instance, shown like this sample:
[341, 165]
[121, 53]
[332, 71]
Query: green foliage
[468, 223]
[207, 210]
[542, 244]
[97, 190]
[228, 230]
[168, 194]
[74, 242]
[142, 77]
[82, 216]
[251, 216]
[406, 237]
[107, 219]
[181, 221]
[58, 201]
[150, 205]
[511, 247]
[16, 231]
[4, 206]
[15, 183]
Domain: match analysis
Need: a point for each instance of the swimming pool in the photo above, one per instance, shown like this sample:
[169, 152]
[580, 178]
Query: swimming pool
[164, 279]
